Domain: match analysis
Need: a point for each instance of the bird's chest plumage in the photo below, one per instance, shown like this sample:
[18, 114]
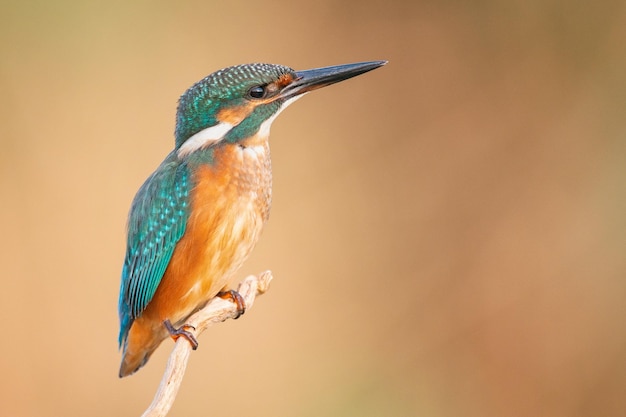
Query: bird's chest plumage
[230, 202]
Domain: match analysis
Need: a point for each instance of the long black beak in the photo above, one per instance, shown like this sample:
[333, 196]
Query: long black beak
[313, 79]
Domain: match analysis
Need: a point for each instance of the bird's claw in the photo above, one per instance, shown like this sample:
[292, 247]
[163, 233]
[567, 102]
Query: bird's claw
[182, 331]
[236, 298]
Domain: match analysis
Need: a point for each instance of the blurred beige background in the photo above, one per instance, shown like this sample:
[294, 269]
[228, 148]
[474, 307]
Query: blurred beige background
[447, 235]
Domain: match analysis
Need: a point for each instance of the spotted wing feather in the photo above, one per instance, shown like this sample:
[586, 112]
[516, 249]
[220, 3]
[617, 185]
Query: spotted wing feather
[156, 222]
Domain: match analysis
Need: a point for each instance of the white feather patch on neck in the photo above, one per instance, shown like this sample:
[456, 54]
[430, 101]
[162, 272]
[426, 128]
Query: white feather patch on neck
[264, 129]
[217, 132]
[204, 137]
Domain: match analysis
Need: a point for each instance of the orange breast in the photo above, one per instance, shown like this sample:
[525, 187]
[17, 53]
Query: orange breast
[229, 206]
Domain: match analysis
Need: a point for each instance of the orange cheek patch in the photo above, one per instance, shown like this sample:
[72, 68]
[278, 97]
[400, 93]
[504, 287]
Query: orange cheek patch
[234, 115]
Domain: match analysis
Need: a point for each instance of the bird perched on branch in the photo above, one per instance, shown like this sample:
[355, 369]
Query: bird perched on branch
[197, 217]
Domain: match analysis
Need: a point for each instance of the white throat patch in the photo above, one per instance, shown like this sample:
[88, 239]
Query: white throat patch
[264, 129]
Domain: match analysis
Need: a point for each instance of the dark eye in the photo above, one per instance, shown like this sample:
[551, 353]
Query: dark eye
[257, 92]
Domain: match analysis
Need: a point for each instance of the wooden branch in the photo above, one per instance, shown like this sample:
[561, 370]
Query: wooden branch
[216, 311]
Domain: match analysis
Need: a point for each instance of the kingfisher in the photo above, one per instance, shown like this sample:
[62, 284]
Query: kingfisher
[196, 219]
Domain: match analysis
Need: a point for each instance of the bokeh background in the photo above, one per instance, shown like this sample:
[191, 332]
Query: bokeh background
[447, 234]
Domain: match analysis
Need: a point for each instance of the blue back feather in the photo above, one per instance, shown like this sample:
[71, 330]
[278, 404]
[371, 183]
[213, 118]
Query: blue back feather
[156, 222]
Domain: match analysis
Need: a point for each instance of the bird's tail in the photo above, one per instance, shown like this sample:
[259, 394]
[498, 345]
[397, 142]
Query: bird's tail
[139, 345]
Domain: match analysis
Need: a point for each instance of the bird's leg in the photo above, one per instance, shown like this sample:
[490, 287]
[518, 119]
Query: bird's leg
[236, 298]
[182, 331]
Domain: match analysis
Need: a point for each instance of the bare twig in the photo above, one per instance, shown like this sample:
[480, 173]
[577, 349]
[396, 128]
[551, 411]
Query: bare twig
[216, 311]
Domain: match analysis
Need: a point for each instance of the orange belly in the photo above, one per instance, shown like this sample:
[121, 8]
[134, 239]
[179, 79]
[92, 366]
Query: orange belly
[229, 206]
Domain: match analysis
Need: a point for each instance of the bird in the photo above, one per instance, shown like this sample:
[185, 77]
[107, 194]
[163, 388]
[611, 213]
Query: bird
[198, 216]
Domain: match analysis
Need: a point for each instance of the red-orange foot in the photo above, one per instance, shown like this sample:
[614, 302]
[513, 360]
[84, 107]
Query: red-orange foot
[236, 298]
[182, 331]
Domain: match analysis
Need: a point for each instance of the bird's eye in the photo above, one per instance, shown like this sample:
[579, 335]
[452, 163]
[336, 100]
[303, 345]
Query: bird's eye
[257, 92]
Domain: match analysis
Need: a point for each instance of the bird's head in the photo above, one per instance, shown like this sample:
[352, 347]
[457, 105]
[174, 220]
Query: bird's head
[240, 101]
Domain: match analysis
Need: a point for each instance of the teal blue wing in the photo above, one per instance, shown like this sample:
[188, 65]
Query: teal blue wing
[157, 221]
